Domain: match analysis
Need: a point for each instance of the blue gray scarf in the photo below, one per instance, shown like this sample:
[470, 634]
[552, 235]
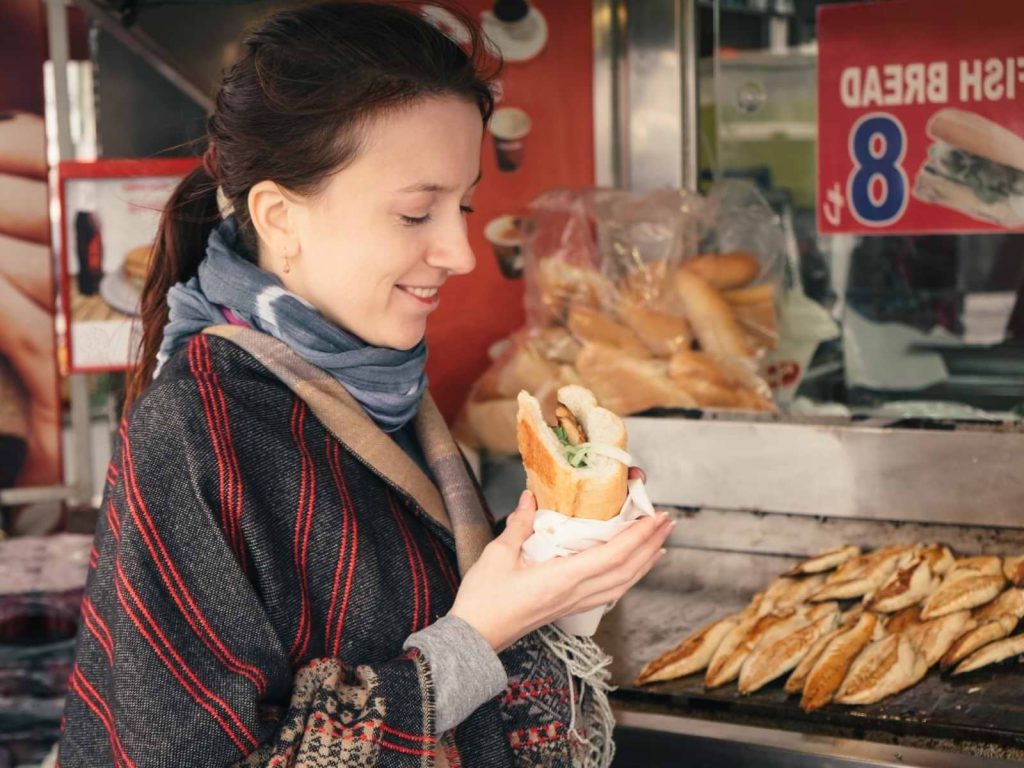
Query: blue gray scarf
[388, 383]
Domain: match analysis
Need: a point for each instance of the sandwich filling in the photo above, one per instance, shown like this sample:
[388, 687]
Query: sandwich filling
[578, 449]
[990, 182]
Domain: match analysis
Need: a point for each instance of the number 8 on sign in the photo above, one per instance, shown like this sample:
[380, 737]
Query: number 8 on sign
[877, 189]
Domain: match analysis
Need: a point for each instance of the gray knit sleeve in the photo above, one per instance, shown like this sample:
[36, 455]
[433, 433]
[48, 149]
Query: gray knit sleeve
[465, 669]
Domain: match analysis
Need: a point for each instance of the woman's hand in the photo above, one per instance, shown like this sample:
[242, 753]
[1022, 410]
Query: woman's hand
[504, 597]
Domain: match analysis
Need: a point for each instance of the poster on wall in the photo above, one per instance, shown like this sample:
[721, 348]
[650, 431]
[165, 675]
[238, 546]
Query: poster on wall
[920, 121]
[30, 411]
[540, 137]
[110, 211]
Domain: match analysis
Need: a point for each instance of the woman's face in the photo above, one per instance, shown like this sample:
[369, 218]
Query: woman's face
[376, 245]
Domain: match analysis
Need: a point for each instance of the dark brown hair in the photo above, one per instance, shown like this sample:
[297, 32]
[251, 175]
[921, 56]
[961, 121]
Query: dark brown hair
[293, 110]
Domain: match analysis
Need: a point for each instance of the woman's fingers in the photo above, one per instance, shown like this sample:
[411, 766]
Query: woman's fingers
[22, 145]
[627, 571]
[23, 209]
[635, 473]
[519, 524]
[648, 531]
[612, 594]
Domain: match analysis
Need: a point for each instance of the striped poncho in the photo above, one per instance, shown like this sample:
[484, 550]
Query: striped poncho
[263, 552]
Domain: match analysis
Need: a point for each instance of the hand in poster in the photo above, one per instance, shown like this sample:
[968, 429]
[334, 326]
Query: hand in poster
[26, 288]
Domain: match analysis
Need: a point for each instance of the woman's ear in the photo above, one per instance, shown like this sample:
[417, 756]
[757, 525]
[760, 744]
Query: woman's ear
[270, 211]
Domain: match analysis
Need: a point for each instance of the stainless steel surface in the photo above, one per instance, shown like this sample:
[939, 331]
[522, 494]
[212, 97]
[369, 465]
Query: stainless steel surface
[17, 496]
[658, 741]
[81, 426]
[784, 534]
[607, 97]
[963, 476]
[142, 45]
[979, 714]
[653, 140]
[689, 101]
[59, 54]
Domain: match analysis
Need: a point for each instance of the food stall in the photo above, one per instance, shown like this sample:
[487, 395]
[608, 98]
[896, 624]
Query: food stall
[894, 364]
[728, 219]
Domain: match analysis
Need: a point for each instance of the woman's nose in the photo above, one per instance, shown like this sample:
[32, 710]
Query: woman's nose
[454, 252]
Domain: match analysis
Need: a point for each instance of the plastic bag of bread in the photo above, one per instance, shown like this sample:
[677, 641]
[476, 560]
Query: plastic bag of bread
[605, 250]
[657, 300]
[742, 253]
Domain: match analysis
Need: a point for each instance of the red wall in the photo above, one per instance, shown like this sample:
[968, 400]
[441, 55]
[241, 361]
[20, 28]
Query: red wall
[556, 89]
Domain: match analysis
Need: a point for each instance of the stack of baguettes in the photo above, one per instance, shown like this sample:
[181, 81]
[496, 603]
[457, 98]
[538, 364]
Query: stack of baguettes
[684, 336]
[854, 628]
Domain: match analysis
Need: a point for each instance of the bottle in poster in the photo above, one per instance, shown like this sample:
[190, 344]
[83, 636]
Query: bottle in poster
[90, 252]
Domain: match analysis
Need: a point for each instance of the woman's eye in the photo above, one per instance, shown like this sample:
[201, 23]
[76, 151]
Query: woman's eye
[412, 221]
[467, 209]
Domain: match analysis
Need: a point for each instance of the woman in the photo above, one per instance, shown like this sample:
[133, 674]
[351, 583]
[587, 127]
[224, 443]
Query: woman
[293, 566]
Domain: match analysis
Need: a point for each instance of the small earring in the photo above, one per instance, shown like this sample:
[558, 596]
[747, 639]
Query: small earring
[287, 264]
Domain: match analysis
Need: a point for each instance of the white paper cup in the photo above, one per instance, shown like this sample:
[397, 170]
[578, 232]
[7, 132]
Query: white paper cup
[585, 623]
[509, 126]
[555, 535]
[505, 237]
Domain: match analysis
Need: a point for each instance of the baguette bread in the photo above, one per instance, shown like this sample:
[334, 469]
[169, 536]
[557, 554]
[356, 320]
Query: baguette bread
[591, 325]
[711, 316]
[489, 425]
[626, 385]
[714, 384]
[724, 271]
[519, 367]
[754, 295]
[662, 333]
[595, 491]
[563, 286]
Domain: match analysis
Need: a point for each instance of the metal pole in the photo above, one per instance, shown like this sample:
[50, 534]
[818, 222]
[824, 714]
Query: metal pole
[81, 423]
[690, 98]
[605, 137]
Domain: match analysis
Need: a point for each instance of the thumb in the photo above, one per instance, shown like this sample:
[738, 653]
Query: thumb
[519, 526]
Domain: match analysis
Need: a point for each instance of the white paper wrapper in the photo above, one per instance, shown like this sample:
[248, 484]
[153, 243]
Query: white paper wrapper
[555, 535]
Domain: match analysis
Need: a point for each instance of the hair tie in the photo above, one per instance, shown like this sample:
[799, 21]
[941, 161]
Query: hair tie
[210, 164]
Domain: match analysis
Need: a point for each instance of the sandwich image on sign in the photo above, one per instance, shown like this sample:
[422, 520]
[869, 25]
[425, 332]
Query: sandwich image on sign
[976, 167]
[578, 470]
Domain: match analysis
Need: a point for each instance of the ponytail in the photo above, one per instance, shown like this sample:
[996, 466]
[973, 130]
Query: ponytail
[185, 225]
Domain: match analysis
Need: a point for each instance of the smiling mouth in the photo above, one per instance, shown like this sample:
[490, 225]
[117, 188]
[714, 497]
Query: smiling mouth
[427, 297]
[420, 293]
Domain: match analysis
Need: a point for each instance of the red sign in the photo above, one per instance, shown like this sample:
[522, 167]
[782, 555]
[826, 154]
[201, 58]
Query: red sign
[921, 116]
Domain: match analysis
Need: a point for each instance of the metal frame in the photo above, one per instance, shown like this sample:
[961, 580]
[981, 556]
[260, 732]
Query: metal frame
[607, 120]
[690, 95]
[141, 44]
[966, 476]
[646, 104]
[826, 750]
